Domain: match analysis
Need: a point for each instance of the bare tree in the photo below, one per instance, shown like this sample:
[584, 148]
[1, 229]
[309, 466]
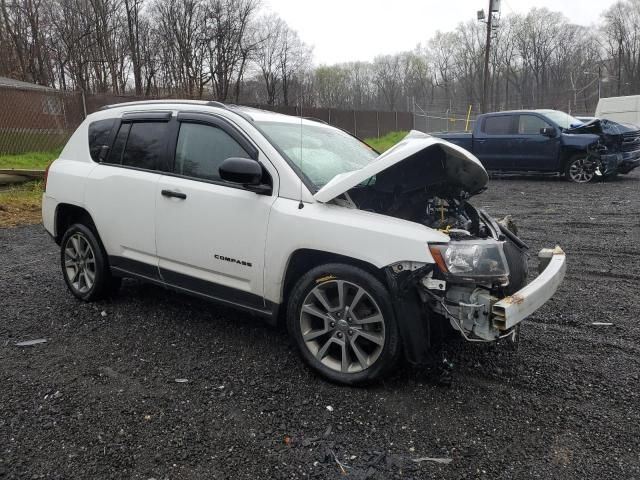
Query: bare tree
[225, 49]
[621, 43]
[181, 26]
[228, 22]
[388, 78]
[133, 11]
[331, 86]
[268, 53]
[23, 26]
[294, 60]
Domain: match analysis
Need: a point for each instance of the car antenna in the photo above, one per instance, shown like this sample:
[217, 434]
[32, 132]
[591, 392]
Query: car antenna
[300, 205]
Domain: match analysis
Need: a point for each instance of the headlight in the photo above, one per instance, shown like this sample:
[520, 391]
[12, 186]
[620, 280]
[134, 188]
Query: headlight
[477, 259]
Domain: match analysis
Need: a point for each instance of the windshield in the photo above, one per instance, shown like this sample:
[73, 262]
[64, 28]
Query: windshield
[562, 119]
[320, 151]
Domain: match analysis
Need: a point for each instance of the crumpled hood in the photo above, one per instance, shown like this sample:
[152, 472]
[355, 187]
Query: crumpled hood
[601, 125]
[461, 166]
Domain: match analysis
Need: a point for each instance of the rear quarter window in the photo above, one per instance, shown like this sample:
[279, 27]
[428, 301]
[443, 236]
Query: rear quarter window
[141, 145]
[498, 125]
[99, 134]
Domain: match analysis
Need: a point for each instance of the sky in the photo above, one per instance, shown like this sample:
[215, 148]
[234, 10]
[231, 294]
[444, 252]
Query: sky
[348, 30]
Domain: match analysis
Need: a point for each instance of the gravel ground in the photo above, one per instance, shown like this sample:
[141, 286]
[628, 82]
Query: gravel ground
[100, 399]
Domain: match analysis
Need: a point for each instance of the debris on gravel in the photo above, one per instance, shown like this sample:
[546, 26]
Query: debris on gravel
[31, 343]
[444, 461]
[104, 398]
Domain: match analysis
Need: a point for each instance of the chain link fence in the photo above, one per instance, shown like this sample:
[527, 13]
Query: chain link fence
[449, 121]
[361, 123]
[40, 119]
[37, 119]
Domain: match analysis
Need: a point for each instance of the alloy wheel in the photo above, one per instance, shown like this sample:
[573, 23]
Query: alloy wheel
[342, 326]
[581, 170]
[80, 263]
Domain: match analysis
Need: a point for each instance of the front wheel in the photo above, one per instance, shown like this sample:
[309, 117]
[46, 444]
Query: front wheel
[342, 321]
[580, 169]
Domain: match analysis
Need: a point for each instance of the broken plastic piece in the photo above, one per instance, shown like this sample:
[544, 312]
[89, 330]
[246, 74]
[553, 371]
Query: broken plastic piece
[29, 343]
[444, 461]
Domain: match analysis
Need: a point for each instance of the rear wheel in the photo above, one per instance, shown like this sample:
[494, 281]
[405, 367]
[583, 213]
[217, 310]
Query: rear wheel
[84, 264]
[580, 169]
[342, 321]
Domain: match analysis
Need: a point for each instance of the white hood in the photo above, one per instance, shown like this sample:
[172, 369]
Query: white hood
[461, 166]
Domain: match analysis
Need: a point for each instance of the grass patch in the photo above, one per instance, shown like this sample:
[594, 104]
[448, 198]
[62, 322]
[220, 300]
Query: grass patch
[385, 143]
[12, 143]
[29, 161]
[21, 205]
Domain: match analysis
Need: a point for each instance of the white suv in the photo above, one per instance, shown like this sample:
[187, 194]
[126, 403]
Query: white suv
[366, 256]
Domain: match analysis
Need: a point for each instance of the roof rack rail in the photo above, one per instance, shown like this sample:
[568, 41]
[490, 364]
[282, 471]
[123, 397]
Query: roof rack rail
[143, 102]
[211, 103]
[314, 119]
[214, 103]
[237, 109]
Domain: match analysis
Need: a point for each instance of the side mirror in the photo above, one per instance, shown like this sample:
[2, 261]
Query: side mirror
[244, 171]
[548, 131]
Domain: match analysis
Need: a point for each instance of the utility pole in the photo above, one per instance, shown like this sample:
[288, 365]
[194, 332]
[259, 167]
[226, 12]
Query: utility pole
[485, 81]
[619, 65]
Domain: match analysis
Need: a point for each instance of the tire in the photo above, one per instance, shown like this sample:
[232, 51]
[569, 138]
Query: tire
[577, 170]
[84, 265]
[332, 340]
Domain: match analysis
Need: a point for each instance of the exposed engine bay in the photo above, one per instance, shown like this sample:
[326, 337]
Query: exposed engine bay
[423, 189]
[483, 261]
[452, 215]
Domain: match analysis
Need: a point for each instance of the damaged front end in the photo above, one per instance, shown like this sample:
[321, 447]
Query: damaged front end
[482, 312]
[613, 147]
[476, 280]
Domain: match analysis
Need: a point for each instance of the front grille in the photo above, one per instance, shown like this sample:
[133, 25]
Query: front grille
[631, 141]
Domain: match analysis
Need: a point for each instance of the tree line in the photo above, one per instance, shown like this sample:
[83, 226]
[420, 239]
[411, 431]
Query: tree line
[234, 51]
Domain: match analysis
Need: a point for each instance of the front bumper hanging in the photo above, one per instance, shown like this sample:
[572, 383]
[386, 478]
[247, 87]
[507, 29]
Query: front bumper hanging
[511, 310]
[619, 162]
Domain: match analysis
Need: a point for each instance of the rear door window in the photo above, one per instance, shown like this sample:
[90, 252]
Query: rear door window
[498, 125]
[201, 149]
[99, 136]
[145, 145]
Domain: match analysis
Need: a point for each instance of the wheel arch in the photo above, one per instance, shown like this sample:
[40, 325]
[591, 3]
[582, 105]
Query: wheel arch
[568, 153]
[304, 259]
[66, 215]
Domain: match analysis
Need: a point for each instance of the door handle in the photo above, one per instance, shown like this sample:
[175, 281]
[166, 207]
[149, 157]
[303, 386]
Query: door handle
[480, 140]
[172, 194]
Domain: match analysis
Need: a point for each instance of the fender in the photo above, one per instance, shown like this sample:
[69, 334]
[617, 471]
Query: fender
[375, 239]
[579, 141]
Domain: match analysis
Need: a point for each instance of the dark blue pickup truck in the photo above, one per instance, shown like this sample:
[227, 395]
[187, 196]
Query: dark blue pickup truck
[550, 141]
